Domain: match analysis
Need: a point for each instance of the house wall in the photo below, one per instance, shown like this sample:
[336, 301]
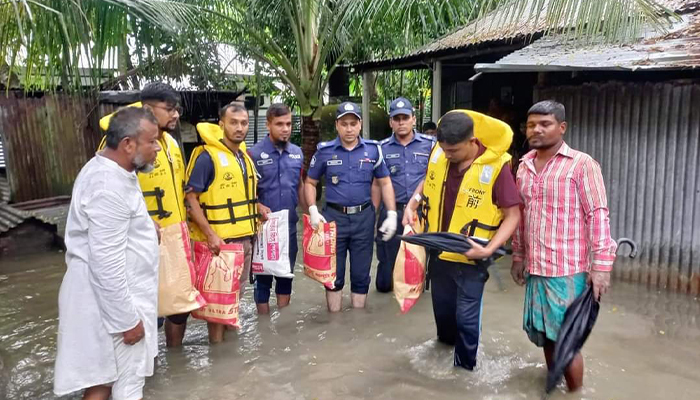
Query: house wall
[646, 137]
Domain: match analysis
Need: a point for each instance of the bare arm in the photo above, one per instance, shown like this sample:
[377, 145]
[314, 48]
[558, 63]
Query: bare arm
[303, 204]
[409, 213]
[376, 193]
[387, 193]
[310, 191]
[197, 215]
[511, 218]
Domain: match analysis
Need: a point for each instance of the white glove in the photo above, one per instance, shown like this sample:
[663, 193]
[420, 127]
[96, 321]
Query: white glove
[388, 227]
[316, 217]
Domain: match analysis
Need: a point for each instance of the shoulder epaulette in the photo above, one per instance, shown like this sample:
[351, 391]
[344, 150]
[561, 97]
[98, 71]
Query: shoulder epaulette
[385, 141]
[322, 145]
[427, 137]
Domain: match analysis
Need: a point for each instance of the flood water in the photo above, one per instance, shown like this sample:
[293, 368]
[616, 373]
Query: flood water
[646, 345]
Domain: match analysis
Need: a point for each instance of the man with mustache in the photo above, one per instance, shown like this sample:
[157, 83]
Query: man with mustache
[279, 164]
[107, 304]
[563, 239]
[222, 191]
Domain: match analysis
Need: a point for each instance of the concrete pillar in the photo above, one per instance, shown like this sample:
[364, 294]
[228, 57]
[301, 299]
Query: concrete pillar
[437, 90]
[366, 82]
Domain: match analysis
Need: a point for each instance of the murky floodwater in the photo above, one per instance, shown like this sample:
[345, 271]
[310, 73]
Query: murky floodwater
[646, 345]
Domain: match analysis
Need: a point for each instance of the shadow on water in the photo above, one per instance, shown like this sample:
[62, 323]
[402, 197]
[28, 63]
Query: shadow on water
[645, 346]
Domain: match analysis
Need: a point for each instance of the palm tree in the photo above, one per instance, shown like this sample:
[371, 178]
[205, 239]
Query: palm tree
[301, 42]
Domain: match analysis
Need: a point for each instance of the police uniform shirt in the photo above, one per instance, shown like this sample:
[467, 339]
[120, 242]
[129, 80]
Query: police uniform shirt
[280, 174]
[348, 173]
[407, 164]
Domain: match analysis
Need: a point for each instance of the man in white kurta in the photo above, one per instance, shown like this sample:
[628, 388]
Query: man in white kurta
[110, 287]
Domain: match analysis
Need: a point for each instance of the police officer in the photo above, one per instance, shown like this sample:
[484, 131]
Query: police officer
[468, 189]
[349, 164]
[406, 154]
[222, 191]
[163, 188]
[279, 164]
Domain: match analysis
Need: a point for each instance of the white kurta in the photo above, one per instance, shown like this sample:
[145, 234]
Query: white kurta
[112, 278]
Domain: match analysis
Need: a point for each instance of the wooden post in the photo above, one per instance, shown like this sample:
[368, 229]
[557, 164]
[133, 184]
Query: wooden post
[437, 90]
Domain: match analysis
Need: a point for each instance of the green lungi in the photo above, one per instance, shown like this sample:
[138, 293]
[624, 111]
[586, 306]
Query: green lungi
[546, 300]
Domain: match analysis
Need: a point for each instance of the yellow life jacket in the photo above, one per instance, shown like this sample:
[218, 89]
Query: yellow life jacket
[230, 202]
[474, 214]
[163, 188]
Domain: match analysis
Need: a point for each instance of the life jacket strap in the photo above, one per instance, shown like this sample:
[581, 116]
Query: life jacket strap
[470, 228]
[232, 216]
[160, 211]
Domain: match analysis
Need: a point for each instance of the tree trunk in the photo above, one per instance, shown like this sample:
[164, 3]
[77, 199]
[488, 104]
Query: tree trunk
[310, 136]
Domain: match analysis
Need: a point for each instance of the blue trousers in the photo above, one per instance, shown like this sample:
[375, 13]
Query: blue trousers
[355, 235]
[386, 253]
[457, 290]
[263, 283]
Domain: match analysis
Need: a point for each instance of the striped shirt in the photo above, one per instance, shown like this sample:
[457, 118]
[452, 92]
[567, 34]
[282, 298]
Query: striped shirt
[565, 227]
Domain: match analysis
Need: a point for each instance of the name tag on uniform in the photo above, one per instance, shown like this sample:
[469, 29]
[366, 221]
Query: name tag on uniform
[264, 162]
[223, 160]
[295, 156]
[436, 155]
[486, 174]
[421, 154]
[334, 162]
[395, 155]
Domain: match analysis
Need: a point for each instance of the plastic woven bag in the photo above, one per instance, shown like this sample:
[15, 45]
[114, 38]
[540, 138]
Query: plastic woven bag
[176, 273]
[409, 273]
[271, 247]
[320, 252]
[219, 281]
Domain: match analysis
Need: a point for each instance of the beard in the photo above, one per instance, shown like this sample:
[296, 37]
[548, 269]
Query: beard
[140, 165]
[167, 129]
[281, 142]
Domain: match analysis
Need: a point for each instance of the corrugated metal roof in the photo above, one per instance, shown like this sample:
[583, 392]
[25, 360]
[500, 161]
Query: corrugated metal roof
[10, 217]
[497, 26]
[54, 215]
[4, 189]
[52, 211]
[676, 49]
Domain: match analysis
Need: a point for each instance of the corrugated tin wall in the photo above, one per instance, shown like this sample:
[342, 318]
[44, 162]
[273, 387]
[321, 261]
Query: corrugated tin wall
[646, 136]
[2, 154]
[46, 141]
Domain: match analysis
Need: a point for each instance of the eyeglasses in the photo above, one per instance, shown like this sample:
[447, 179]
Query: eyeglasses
[169, 110]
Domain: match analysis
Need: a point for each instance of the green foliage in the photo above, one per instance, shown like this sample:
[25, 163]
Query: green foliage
[379, 122]
[299, 41]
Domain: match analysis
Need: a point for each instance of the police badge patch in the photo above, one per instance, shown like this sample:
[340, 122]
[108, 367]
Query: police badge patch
[335, 179]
